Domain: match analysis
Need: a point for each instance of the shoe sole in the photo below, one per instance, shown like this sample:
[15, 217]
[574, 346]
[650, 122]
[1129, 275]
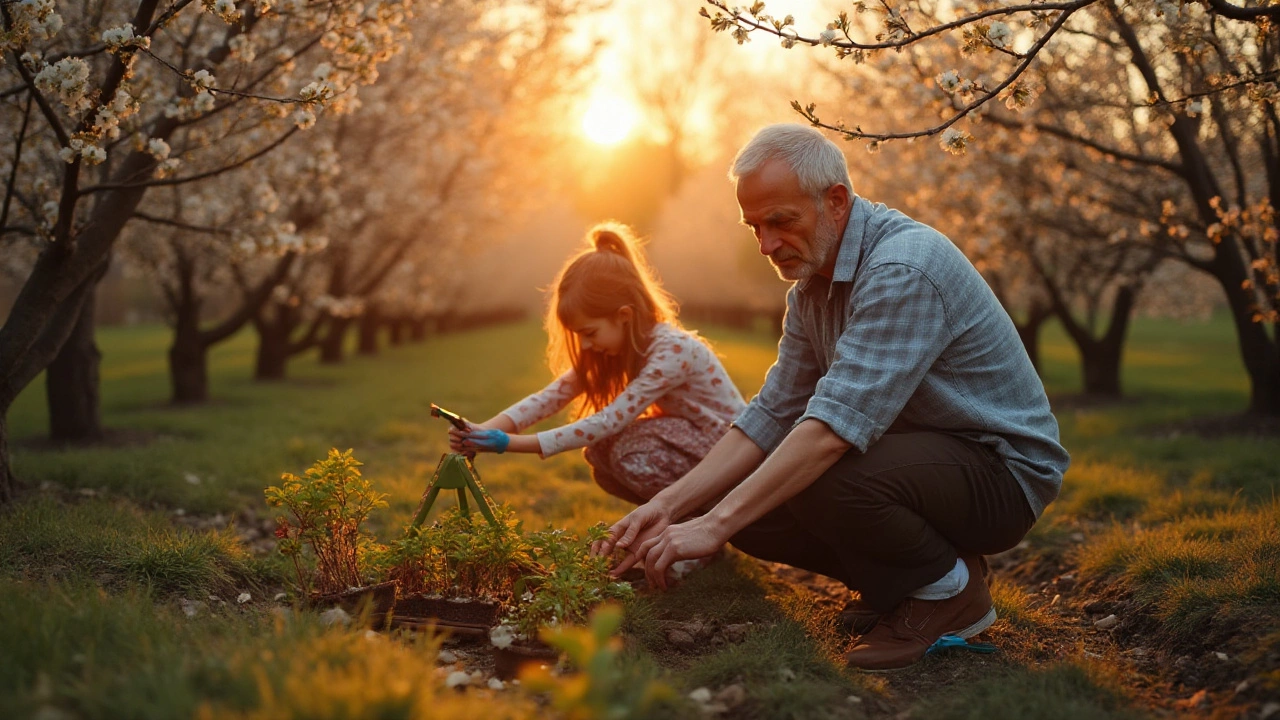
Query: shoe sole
[977, 627]
[986, 622]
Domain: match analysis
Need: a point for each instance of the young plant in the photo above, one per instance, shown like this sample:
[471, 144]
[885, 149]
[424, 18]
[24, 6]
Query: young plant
[572, 582]
[327, 504]
[461, 555]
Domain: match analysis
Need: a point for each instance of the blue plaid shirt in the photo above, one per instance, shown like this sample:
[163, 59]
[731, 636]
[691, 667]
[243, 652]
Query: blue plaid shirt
[907, 331]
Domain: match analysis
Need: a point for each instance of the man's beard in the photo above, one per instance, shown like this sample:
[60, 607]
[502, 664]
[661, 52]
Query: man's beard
[826, 236]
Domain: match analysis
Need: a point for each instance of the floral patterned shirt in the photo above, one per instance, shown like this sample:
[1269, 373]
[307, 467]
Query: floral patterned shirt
[681, 377]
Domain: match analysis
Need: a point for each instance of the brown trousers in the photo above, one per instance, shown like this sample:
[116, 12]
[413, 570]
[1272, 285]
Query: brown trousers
[894, 519]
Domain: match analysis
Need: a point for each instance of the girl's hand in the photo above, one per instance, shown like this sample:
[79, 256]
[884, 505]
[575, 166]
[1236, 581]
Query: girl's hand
[484, 440]
[458, 438]
[688, 540]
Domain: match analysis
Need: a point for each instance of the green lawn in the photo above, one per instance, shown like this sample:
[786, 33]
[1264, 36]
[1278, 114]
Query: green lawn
[97, 568]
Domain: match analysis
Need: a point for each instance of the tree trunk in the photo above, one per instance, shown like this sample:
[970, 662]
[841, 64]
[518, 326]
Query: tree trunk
[418, 329]
[71, 383]
[396, 331]
[188, 357]
[1101, 364]
[1029, 331]
[369, 323]
[8, 483]
[332, 347]
[273, 342]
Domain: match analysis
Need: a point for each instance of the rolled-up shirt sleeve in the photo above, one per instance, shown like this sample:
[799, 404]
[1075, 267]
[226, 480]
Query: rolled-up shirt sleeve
[897, 329]
[787, 386]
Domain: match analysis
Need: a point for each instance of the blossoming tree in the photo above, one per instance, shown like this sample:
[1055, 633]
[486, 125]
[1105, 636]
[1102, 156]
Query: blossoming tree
[114, 99]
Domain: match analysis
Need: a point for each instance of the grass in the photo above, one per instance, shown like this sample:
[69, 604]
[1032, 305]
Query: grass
[1183, 525]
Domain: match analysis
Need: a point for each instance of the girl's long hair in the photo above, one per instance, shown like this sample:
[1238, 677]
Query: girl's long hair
[596, 283]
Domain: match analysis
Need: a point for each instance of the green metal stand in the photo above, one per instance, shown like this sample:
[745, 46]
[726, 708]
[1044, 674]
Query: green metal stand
[454, 472]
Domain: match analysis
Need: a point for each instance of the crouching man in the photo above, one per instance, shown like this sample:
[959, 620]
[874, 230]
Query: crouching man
[901, 434]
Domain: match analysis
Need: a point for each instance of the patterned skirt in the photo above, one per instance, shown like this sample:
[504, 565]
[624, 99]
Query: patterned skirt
[648, 455]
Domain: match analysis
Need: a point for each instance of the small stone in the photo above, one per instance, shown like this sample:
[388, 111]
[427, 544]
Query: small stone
[1242, 686]
[179, 512]
[1107, 622]
[88, 492]
[496, 684]
[1220, 655]
[680, 639]
[786, 674]
[191, 478]
[335, 616]
[1077, 536]
[371, 635]
[731, 696]
[1268, 710]
[447, 656]
[702, 696]
[457, 679]
[853, 700]
[280, 596]
[191, 608]
[736, 633]
[243, 598]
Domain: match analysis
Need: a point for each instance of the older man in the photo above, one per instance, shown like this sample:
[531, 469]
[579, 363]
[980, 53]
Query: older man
[900, 436]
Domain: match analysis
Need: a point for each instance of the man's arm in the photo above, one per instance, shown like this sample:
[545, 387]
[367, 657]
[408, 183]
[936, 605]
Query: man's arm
[807, 452]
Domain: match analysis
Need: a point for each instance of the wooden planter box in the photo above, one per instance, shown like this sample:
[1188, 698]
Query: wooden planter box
[510, 660]
[378, 600]
[467, 617]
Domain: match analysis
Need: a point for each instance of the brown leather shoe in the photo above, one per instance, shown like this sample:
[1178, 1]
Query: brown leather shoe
[903, 636]
[857, 618]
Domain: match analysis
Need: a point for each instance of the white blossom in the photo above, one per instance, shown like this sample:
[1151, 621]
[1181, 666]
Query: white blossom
[1195, 107]
[999, 34]
[158, 148]
[203, 79]
[242, 47]
[203, 102]
[828, 36]
[119, 37]
[51, 211]
[69, 80]
[225, 9]
[955, 141]
[457, 678]
[948, 81]
[93, 154]
[303, 118]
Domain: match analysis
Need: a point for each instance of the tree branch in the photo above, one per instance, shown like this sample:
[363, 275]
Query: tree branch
[1235, 12]
[181, 225]
[17, 160]
[192, 178]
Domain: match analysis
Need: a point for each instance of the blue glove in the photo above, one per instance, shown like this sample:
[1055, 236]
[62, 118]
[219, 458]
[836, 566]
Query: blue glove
[492, 440]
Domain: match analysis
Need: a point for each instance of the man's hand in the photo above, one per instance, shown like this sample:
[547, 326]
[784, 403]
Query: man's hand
[691, 539]
[639, 526]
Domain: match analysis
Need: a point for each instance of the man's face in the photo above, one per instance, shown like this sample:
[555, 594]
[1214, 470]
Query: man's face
[798, 235]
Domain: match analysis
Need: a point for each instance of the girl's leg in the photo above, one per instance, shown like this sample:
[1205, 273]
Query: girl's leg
[597, 457]
[653, 453]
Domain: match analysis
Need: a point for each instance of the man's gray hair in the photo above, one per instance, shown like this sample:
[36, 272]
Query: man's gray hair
[817, 162]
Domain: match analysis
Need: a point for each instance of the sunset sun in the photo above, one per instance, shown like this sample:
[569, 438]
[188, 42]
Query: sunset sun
[609, 119]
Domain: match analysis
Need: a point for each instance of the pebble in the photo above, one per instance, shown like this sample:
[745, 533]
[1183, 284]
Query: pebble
[732, 696]
[1220, 655]
[787, 674]
[701, 696]
[496, 684]
[335, 616]
[457, 679]
[853, 700]
[1107, 622]
[1268, 710]
[680, 639]
[243, 598]
[191, 608]
[446, 657]
[280, 596]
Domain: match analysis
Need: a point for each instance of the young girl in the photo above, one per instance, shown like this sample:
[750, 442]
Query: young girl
[654, 397]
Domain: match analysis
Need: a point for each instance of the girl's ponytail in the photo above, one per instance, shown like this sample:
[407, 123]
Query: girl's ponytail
[614, 238]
